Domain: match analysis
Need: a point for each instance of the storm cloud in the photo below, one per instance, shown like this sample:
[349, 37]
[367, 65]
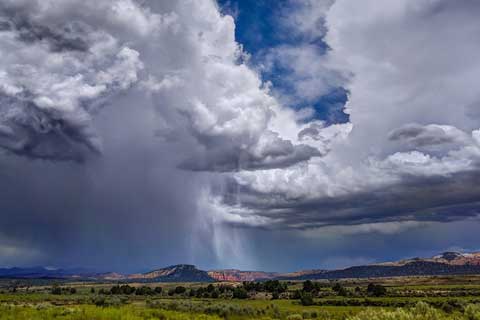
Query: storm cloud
[389, 168]
[135, 134]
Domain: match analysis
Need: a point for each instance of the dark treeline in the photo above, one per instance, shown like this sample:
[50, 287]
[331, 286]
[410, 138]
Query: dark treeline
[272, 289]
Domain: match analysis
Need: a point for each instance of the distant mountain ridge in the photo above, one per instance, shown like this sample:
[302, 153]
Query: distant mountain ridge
[447, 263]
[44, 272]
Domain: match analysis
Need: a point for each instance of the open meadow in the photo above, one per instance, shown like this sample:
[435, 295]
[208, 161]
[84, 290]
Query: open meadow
[456, 297]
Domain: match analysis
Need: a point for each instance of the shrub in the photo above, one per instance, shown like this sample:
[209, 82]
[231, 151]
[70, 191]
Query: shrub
[240, 293]
[56, 290]
[215, 294]
[308, 286]
[376, 290]
[144, 291]
[306, 299]
[180, 290]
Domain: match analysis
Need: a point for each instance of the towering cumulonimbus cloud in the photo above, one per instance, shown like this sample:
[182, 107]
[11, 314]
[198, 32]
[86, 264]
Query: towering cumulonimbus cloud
[141, 128]
[412, 152]
[61, 68]
[138, 93]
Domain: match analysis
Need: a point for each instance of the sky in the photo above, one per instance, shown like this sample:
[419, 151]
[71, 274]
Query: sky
[259, 135]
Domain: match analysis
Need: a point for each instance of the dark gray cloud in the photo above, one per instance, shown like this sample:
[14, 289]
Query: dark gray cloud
[421, 136]
[311, 132]
[277, 154]
[435, 199]
[30, 131]
[68, 37]
[128, 210]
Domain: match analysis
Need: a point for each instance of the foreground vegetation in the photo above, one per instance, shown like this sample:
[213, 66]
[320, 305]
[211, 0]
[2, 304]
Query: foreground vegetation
[425, 298]
[422, 311]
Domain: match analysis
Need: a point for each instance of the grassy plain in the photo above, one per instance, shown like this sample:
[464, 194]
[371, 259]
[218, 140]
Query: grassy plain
[409, 298]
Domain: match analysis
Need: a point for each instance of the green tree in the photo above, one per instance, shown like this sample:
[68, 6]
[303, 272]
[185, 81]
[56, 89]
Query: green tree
[376, 290]
[308, 286]
[306, 299]
[56, 290]
[240, 293]
[180, 290]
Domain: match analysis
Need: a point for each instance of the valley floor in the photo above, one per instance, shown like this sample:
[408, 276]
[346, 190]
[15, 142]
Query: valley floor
[414, 298]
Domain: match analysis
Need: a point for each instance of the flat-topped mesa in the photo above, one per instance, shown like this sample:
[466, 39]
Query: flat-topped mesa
[234, 275]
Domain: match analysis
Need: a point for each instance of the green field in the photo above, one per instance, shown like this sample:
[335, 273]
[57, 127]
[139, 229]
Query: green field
[373, 299]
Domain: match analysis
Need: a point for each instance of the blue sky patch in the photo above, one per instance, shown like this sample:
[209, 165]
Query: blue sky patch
[258, 29]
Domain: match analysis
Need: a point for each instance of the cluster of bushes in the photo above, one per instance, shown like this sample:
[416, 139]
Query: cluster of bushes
[267, 286]
[214, 292]
[373, 290]
[376, 290]
[129, 290]
[249, 288]
[223, 310]
[209, 291]
[62, 290]
[312, 289]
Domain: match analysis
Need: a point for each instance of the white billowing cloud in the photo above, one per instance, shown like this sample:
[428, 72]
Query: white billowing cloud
[54, 78]
[66, 60]
[310, 73]
[216, 102]
[306, 18]
[410, 71]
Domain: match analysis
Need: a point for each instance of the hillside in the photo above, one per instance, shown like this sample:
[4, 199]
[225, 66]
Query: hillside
[176, 273]
[448, 263]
